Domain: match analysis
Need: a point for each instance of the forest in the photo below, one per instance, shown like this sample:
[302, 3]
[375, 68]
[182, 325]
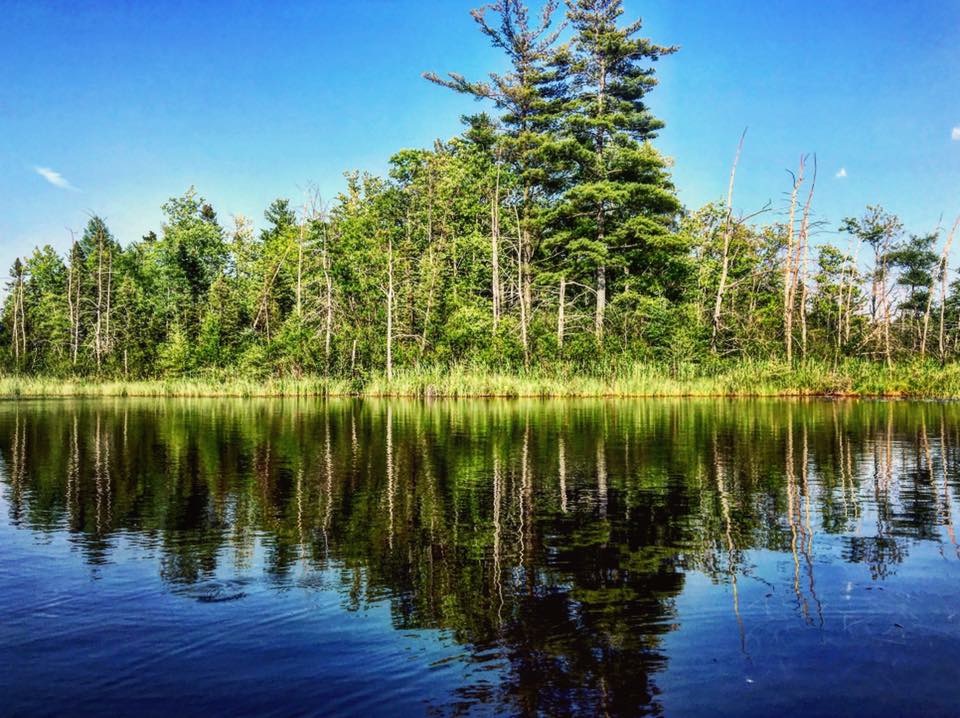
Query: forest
[546, 238]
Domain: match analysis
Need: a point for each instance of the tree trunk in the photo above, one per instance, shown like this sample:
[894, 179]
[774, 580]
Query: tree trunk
[429, 308]
[522, 288]
[885, 308]
[300, 270]
[521, 296]
[19, 319]
[23, 322]
[107, 334]
[804, 258]
[73, 303]
[98, 323]
[601, 214]
[850, 289]
[328, 320]
[789, 274]
[925, 328]
[727, 236]
[886, 330]
[839, 334]
[264, 308]
[601, 302]
[561, 311]
[76, 317]
[943, 289]
[495, 251]
[390, 310]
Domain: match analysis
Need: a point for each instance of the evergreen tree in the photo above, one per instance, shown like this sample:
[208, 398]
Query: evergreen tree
[191, 256]
[100, 250]
[617, 214]
[45, 312]
[526, 96]
[915, 260]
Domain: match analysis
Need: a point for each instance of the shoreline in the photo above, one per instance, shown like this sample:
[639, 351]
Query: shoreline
[743, 380]
[398, 395]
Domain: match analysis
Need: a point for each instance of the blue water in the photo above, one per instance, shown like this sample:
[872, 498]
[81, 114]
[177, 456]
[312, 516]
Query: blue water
[553, 558]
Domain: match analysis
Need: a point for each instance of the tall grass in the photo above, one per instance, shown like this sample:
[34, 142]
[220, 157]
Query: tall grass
[740, 378]
[42, 387]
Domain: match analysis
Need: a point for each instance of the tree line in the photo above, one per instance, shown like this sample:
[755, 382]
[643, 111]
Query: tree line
[548, 234]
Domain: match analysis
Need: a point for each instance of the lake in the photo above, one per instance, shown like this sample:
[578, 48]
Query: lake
[344, 557]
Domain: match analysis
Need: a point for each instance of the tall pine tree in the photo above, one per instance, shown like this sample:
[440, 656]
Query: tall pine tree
[526, 98]
[618, 212]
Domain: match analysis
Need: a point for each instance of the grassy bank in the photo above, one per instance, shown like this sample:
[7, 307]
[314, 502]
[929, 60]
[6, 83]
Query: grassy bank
[44, 387]
[745, 378]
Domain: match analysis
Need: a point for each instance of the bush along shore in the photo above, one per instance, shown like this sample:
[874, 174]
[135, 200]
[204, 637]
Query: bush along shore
[926, 380]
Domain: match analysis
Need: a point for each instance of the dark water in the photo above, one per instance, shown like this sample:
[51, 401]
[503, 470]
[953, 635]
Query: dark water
[554, 558]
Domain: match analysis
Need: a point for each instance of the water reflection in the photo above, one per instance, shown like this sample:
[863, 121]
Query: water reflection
[552, 540]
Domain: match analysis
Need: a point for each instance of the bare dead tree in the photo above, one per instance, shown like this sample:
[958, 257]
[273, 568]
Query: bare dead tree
[789, 272]
[727, 236]
[523, 288]
[74, 283]
[390, 299]
[495, 288]
[943, 288]
[102, 301]
[19, 316]
[804, 258]
[561, 311]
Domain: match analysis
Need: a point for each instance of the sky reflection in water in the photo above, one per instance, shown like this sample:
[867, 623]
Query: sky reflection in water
[528, 557]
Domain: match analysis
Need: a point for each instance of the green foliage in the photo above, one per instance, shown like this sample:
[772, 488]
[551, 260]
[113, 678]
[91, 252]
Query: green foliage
[547, 239]
[175, 355]
[46, 313]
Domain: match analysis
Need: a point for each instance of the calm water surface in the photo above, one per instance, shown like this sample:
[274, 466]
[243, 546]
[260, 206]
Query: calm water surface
[469, 558]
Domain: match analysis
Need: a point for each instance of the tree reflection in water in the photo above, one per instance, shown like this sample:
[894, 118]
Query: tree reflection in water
[552, 539]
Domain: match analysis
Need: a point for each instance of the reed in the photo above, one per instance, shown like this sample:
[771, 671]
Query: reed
[741, 378]
[46, 387]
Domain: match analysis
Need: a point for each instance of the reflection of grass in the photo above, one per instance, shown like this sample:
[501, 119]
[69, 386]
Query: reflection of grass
[744, 378]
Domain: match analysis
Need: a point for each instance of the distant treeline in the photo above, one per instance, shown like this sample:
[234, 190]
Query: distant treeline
[547, 235]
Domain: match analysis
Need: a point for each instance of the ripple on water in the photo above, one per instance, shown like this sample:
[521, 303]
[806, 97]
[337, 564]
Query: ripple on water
[529, 557]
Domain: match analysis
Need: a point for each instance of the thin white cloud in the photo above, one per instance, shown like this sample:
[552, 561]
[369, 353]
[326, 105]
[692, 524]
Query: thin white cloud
[841, 173]
[54, 178]
[955, 134]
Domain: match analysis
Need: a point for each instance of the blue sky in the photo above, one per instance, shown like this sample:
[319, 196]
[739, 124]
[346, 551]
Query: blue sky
[123, 104]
